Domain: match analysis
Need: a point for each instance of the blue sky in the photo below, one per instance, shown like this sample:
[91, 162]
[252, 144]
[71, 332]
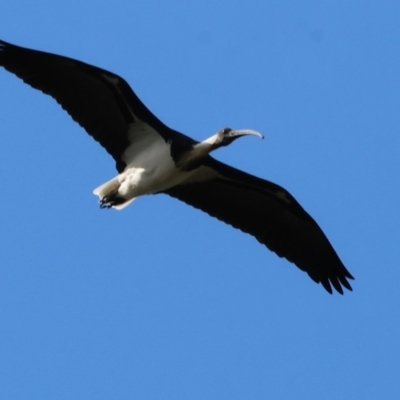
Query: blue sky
[160, 301]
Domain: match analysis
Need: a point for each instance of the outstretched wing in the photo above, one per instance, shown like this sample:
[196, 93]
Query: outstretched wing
[270, 214]
[98, 100]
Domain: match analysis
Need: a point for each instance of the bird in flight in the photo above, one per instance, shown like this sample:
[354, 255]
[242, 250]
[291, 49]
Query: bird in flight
[152, 158]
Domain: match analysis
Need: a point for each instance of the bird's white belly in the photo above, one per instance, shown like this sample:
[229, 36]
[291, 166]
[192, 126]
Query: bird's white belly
[150, 168]
[151, 179]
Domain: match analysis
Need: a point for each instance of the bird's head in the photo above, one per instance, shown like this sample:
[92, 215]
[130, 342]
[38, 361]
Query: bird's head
[227, 136]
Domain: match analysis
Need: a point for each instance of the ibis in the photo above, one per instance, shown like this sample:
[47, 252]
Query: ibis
[152, 158]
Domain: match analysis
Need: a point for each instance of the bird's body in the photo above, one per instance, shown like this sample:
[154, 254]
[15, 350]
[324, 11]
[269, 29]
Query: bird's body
[153, 158]
[149, 168]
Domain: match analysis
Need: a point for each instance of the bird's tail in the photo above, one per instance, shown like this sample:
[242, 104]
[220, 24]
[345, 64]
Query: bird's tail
[106, 188]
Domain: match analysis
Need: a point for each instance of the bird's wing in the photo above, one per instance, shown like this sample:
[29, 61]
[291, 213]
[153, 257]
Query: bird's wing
[98, 100]
[270, 214]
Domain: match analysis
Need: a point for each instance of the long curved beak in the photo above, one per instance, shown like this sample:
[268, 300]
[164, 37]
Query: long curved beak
[243, 132]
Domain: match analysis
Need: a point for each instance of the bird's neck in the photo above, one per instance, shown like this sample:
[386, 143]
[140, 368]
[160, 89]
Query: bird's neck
[199, 151]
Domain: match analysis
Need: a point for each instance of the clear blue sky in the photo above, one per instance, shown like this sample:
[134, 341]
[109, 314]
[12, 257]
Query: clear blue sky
[160, 301]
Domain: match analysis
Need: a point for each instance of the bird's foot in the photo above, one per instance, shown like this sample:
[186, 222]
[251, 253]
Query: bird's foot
[111, 199]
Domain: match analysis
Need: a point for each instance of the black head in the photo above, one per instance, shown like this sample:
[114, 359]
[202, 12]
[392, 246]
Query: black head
[227, 135]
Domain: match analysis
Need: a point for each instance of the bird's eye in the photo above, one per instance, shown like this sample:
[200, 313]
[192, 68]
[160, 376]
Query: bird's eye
[226, 130]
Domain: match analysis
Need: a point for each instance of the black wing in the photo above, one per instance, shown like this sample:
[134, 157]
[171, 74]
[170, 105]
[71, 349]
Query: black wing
[270, 214]
[98, 100]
